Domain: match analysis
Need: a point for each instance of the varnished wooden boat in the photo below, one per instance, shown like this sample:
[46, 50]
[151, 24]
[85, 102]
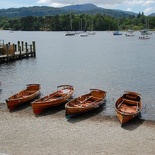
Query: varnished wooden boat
[128, 106]
[60, 96]
[85, 103]
[24, 96]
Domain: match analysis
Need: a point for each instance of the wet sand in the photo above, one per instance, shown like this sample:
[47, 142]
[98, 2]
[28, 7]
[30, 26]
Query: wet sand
[23, 133]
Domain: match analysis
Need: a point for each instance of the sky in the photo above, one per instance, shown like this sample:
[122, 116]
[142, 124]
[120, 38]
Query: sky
[146, 6]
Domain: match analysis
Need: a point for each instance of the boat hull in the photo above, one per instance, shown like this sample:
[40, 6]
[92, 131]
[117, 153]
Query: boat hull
[24, 96]
[85, 103]
[124, 118]
[128, 107]
[70, 112]
[52, 100]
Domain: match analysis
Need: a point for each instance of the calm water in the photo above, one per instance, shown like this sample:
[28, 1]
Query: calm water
[104, 61]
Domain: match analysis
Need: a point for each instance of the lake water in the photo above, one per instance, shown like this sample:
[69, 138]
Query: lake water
[112, 63]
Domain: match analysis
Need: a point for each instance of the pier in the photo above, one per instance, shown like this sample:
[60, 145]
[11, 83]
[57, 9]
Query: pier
[21, 50]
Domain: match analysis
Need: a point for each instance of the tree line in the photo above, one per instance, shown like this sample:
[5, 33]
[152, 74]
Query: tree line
[66, 22]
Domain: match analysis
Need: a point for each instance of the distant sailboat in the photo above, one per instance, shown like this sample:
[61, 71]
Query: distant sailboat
[85, 33]
[130, 33]
[146, 31]
[70, 33]
[144, 37]
[117, 31]
[92, 32]
[80, 28]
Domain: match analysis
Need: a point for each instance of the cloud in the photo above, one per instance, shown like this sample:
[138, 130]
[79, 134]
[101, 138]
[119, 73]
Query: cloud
[128, 9]
[149, 2]
[71, 2]
[135, 5]
[148, 10]
[57, 5]
[43, 1]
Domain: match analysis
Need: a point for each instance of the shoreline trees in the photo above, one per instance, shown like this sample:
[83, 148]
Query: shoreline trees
[79, 21]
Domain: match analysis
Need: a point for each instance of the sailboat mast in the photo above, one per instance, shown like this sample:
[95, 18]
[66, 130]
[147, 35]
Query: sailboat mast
[71, 21]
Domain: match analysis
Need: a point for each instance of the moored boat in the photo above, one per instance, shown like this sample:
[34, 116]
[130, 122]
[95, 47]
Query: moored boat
[117, 33]
[84, 34]
[144, 37]
[128, 106]
[70, 33]
[24, 96]
[60, 96]
[130, 33]
[145, 32]
[85, 103]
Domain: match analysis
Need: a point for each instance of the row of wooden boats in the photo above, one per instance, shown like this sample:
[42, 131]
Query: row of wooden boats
[127, 106]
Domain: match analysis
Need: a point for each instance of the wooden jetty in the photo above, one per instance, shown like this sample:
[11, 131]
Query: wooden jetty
[11, 52]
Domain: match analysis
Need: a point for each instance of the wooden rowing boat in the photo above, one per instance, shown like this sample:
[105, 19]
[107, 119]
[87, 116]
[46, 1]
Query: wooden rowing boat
[24, 96]
[128, 106]
[85, 103]
[60, 96]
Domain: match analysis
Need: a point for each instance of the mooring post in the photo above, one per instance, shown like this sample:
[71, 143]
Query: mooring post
[20, 52]
[7, 52]
[18, 45]
[34, 48]
[26, 49]
[31, 51]
[13, 51]
[15, 47]
[22, 46]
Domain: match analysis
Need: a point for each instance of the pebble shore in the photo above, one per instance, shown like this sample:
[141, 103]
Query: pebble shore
[23, 133]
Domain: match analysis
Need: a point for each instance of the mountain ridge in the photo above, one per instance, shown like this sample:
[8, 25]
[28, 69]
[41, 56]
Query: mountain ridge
[75, 9]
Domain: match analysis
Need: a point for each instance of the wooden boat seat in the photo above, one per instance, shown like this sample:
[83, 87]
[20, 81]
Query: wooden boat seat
[128, 108]
[131, 97]
[93, 98]
[75, 104]
[29, 92]
[85, 102]
[64, 91]
[130, 102]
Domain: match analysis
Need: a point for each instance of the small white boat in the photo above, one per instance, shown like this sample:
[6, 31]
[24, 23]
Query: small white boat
[144, 37]
[91, 33]
[117, 33]
[145, 32]
[70, 33]
[130, 33]
[84, 34]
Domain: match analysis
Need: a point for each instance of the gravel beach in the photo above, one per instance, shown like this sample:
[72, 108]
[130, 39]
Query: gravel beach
[23, 133]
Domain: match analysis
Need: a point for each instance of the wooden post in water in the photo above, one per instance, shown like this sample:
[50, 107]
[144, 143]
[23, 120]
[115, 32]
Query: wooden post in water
[34, 48]
[31, 51]
[15, 47]
[22, 46]
[7, 52]
[13, 51]
[26, 49]
[18, 45]
[20, 52]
